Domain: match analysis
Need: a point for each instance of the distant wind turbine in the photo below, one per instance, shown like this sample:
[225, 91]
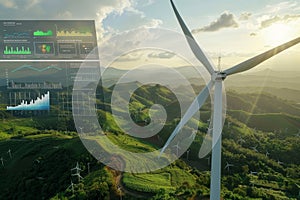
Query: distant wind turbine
[71, 186]
[267, 154]
[227, 166]
[78, 176]
[2, 161]
[209, 130]
[228, 124]
[241, 140]
[217, 78]
[187, 154]
[177, 148]
[252, 173]
[279, 162]
[77, 173]
[76, 168]
[254, 148]
[9, 153]
[88, 165]
[208, 160]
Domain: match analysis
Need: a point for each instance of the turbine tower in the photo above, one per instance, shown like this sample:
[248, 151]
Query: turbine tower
[2, 161]
[217, 78]
[187, 153]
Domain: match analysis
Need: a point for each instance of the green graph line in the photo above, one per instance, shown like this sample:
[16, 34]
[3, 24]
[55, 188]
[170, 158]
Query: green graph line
[41, 33]
[17, 51]
[35, 69]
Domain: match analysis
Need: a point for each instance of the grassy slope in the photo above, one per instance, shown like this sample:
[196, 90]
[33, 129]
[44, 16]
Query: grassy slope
[39, 167]
[24, 175]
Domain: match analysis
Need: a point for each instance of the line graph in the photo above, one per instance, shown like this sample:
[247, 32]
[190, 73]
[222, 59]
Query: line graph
[40, 103]
[17, 35]
[30, 67]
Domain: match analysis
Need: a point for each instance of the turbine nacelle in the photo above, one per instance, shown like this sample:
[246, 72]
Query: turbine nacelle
[218, 76]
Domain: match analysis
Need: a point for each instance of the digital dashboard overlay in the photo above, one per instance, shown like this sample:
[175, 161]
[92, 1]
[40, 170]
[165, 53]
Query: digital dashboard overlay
[39, 60]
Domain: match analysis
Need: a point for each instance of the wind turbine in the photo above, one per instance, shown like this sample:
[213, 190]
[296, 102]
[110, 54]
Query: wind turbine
[177, 148]
[77, 169]
[209, 130]
[208, 160]
[187, 153]
[254, 148]
[279, 162]
[228, 124]
[217, 78]
[120, 191]
[267, 154]
[81, 128]
[2, 161]
[228, 166]
[252, 173]
[88, 165]
[9, 153]
[71, 186]
[241, 140]
[78, 175]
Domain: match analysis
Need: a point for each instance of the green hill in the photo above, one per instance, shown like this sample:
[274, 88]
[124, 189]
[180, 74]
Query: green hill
[45, 149]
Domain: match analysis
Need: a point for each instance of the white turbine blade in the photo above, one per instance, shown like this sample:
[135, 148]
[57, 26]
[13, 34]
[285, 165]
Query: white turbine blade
[252, 62]
[193, 44]
[194, 107]
[215, 182]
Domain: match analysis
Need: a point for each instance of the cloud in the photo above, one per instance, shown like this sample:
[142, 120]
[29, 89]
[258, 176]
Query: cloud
[144, 3]
[100, 11]
[22, 5]
[245, 16]
[122, 42]
[8, 4]
[284, 6]
[226, 20]
[268, 22]
[286, 18]
[109, 7]
[131, 19]
[32, 3]
[163, 55]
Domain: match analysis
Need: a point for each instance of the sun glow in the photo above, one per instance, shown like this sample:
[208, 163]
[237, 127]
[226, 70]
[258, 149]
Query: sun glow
[278, 33]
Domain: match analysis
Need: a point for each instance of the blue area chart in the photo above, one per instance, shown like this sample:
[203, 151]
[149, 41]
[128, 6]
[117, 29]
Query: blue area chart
[41, 103]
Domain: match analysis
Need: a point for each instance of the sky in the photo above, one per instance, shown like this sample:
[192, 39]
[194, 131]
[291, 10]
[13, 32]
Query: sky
[233, 29]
